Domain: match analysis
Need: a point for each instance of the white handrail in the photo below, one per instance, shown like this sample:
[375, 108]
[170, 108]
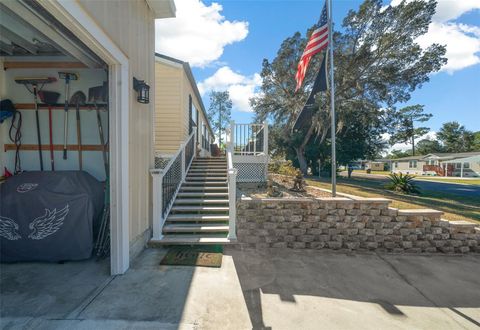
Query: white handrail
[232, 193]
[159, 216]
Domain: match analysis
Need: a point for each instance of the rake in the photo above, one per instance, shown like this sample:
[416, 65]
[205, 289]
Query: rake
[34, 83]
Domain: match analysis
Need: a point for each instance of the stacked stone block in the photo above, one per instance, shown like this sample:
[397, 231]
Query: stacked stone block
[351, 224]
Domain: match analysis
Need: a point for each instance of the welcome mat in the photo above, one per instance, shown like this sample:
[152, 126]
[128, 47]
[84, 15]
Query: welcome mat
[204, 256]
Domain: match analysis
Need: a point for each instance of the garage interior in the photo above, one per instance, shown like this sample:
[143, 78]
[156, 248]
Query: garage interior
[53, 150]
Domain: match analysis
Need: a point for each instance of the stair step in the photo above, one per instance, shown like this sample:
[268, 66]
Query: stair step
[204, 188]
[208, 167]
[205, 178]
[191, 240]
[210, 170]
[209, 162]
[205, 183]
[202, 194]
[197, 217]
[195, 228]
[199, 208]
[200, 201]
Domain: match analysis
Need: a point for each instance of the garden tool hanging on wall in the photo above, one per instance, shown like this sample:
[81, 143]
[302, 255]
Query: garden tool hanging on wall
[50, 98]
[32, 85]
[98, 95]
[67, 76]
[79, 99]
[7, 109]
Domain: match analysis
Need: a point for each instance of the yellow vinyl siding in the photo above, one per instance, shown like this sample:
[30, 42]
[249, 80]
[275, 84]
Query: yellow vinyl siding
[172, 111]
[168, 103]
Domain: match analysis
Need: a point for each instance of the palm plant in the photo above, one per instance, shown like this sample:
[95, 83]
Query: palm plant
[402, 183]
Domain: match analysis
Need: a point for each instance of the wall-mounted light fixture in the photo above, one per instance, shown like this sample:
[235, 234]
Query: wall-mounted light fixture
[142, 89]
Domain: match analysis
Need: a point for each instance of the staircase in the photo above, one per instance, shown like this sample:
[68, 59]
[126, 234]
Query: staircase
[200, 213]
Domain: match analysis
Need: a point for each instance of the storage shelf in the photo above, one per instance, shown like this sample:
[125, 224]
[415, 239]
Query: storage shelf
[56, 147]
[43, 65]
[57, 106]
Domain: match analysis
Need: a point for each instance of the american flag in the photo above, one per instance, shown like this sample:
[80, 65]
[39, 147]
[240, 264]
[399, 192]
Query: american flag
[317, 42]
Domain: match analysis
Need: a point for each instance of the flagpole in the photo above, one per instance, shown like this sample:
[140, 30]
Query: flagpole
[332, 99]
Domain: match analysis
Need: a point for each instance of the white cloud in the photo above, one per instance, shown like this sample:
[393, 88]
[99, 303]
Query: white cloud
[408, 146]
[198, 33]
[462, 41]
[240, 87]
[463, 50]
[449, 9]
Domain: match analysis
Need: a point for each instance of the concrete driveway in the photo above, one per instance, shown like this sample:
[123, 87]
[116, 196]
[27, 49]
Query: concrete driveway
[465, 189]
[259, 289]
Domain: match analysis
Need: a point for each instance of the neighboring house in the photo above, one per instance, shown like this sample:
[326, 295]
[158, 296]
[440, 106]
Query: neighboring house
[179, 109]
[465, 164]
[110, 41]
[375, 166]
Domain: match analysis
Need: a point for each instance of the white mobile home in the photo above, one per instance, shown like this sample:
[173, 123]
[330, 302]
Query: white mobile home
[464, 164]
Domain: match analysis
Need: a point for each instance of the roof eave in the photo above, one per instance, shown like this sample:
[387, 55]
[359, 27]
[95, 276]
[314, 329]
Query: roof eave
[162, 8]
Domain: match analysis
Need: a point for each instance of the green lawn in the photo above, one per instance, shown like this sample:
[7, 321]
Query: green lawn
[455, 207]
[452, 180]
[430, 178]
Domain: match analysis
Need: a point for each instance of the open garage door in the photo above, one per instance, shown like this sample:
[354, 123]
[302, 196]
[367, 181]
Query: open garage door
[54, 139]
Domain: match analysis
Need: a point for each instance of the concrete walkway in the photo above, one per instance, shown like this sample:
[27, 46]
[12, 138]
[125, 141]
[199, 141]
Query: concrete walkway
[267, 289]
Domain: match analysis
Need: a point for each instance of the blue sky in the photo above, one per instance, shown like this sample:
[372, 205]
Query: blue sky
[230, 38]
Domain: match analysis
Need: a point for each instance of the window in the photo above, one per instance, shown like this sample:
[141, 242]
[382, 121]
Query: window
[466, 165]
[458, 165]
[412, 164]
[396, 164]
[204, 136]
[190, 114]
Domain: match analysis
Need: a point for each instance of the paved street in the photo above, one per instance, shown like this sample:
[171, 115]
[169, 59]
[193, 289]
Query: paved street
[451, 188]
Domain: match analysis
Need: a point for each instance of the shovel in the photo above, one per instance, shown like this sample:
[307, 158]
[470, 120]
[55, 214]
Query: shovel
[79, 98]
[50, 98]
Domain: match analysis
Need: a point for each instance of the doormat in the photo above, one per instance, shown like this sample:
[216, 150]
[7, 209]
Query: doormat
[204, 256]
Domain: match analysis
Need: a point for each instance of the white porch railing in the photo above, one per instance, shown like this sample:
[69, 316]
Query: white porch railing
[232, 194]
[249, 147]
[167, 182]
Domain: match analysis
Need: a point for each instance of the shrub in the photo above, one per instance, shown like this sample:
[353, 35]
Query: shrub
[284, 167]
[402, 183]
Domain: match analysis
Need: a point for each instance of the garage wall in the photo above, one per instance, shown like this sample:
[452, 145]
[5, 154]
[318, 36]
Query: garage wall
[92, 160]
[130, 24]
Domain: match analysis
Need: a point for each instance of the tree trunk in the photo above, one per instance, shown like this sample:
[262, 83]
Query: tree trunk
[413, 145]
[220, 127]
[301, 149]
[301, 159]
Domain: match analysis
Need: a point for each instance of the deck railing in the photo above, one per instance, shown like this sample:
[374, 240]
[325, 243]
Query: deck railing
[249, 139]
[249, 147]
[167, 182]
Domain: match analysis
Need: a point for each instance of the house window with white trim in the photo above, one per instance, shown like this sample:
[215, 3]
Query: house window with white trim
[412, 164]
[466, 165]
[458, 165]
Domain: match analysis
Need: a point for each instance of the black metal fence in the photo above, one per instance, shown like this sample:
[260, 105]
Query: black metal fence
[171, 180]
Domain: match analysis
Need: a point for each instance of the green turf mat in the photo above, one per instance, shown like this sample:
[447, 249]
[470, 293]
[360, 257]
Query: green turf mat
[201, 255]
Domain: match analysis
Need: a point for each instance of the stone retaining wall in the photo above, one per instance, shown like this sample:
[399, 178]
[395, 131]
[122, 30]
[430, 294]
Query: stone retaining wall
[352, 224]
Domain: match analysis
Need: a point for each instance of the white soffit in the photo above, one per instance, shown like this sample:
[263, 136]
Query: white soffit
[162, 8]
